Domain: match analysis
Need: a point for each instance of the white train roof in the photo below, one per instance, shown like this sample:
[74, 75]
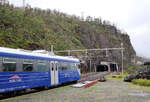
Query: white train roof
[36, 53]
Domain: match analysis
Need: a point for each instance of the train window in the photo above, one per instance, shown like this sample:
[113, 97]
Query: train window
[64, 66]
[9, 60]
[27, 65]
[72, 66]
[41, 66]
[78, 66]
[9, 65]
[57, 66]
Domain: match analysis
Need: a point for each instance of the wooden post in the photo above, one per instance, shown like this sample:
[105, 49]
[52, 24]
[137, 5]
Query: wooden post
[122, 56]
[69, 52]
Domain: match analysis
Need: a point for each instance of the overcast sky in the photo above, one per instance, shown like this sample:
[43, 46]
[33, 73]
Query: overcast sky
[131, 16]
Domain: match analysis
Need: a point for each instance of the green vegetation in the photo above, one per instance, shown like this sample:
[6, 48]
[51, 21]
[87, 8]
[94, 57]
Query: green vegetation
[117, 78]
[34, 28]
[143, 82]
[131, 69]
[136, 86]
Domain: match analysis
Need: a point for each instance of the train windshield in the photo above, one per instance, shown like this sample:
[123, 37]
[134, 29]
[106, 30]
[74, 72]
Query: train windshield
[78, 66]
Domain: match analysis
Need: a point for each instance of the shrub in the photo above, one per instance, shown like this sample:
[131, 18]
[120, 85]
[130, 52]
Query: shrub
[143, 82]
[131, 69]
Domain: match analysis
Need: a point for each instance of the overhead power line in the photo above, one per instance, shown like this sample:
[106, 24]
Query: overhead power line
[104, 49]
[83, 50]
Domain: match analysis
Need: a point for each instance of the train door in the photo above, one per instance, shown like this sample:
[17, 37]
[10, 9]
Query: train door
[54, 72]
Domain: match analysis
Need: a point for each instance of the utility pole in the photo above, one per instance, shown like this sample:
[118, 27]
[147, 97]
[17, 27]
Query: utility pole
[122, 56]
[90, 66]
[82, 15]
[69, 53]
[86, 52]
[23, 4]
[106, 52]
[52, 50]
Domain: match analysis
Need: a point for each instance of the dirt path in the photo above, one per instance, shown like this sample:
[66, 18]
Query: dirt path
[110, 91]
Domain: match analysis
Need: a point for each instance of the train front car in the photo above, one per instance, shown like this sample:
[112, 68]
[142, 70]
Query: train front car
[69, 70]
[20, 70]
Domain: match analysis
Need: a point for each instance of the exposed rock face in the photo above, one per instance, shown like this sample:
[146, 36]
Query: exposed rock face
[110, 39]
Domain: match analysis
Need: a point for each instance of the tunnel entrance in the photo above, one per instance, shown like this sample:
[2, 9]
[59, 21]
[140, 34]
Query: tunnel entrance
[113, 67]
[107, 66]
[101, 68]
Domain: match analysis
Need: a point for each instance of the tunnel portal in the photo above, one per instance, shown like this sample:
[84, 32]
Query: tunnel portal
[101, 68]
[107, 66]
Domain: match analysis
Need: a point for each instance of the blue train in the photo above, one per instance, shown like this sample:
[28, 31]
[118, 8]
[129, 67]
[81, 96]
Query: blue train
[22, 69]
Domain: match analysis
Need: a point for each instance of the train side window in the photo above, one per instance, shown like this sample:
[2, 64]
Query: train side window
[1, 62]
[41, 66]
[9, 65]
[64, 66]
[27, 65]
[57, 66]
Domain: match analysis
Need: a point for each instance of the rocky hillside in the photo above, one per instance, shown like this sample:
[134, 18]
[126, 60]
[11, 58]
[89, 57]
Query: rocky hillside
[34, 29]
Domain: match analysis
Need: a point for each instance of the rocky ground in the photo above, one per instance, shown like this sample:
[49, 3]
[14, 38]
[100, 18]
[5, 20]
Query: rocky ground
[110, 91]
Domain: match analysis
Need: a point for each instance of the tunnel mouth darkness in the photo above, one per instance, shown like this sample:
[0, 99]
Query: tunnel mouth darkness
[101, 68]
[113, 67]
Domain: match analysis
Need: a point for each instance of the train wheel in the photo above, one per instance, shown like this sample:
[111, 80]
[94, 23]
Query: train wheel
[12, 94]
[45, 87]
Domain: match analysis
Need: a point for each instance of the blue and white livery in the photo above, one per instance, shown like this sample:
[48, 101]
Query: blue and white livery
[22, 69]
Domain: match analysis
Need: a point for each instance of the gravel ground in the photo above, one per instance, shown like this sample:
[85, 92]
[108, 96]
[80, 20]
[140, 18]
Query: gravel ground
[110, 91]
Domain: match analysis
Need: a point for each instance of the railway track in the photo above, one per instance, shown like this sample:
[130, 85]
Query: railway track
[94, 76]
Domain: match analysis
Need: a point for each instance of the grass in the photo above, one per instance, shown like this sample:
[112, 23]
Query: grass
[136, 86]
[121, 77]
[143, 82]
